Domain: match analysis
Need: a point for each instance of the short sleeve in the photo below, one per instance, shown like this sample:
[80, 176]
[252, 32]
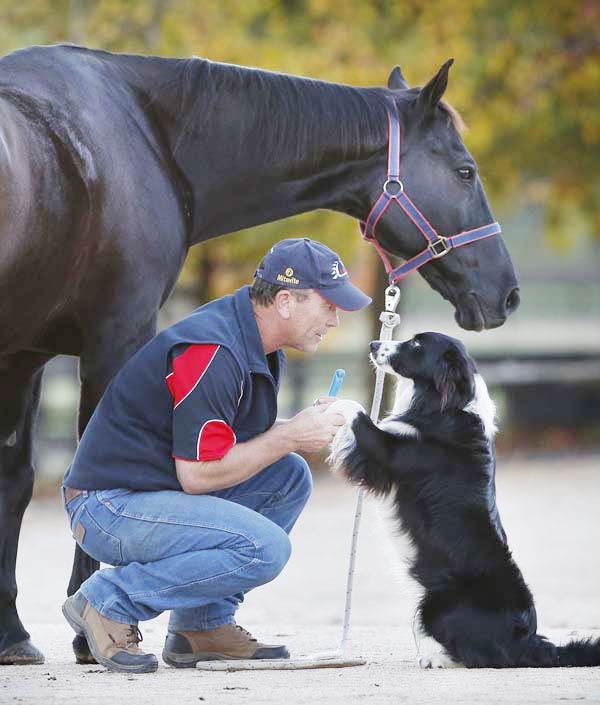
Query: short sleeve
[206, 384]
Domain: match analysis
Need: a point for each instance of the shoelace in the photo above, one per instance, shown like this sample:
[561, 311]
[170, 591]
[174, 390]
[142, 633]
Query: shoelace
[132, 637]
[245, 631]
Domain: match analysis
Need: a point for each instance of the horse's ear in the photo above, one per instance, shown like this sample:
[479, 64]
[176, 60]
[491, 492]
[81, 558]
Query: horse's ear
[396, 81]
[432, 93]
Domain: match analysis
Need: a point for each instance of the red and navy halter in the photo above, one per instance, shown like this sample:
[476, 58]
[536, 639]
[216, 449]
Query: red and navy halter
[393, 190]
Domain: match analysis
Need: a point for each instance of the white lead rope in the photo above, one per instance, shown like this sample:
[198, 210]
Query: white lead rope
[389, 320]
[330, 659]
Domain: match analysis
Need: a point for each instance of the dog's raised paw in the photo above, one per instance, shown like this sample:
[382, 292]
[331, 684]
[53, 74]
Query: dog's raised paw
[343, 444]
[348, 408]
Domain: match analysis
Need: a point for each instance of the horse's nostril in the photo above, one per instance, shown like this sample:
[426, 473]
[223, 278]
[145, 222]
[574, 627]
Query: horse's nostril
[512, 301]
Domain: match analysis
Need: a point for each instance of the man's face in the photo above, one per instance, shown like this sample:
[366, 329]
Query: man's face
[310, 320]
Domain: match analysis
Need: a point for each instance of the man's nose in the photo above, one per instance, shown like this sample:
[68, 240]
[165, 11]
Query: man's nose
[334, 320]
[374, 346]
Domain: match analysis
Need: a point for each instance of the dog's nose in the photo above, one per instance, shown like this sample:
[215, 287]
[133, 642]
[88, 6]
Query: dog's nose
[374, 346]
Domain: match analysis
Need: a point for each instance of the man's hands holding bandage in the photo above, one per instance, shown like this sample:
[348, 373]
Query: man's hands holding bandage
[315, 427]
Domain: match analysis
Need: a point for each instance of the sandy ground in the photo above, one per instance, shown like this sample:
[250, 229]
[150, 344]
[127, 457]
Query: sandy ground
[549, 509]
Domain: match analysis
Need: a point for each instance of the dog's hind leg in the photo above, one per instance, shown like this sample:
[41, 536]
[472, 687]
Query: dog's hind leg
[431, 654]
[438, 660]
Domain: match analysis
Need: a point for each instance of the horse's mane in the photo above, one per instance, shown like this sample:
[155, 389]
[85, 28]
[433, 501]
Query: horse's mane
[289, 116]
[453, 116]
[283, 114]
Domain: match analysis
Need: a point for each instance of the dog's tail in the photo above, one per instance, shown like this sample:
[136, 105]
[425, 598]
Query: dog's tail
[535, 652]
[541, 653]
[581, 652]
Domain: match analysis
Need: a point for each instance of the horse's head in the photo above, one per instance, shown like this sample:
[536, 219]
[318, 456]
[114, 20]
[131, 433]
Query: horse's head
[440, 177]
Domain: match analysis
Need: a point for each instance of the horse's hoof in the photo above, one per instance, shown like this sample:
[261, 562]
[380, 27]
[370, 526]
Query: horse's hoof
[23, 653]
[82, 650]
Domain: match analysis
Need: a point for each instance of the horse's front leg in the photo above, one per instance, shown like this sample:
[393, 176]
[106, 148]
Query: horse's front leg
[102, 357]
[20, 382]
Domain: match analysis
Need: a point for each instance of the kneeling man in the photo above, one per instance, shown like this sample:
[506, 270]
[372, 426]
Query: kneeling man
[186, 483]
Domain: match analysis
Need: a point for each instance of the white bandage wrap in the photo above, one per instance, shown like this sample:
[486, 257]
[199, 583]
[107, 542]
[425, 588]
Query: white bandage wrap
[344, 442]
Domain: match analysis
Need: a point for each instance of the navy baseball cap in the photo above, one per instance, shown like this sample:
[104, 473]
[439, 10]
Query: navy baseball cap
[301, 263]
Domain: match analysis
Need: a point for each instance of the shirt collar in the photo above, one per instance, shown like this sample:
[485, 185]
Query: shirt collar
[255, 352]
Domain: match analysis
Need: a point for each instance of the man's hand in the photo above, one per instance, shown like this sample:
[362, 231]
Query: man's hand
[324, 400]
[315, 427]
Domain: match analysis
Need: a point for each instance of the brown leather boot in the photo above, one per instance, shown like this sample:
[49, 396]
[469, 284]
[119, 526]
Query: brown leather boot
[230, 641]
[113, 644]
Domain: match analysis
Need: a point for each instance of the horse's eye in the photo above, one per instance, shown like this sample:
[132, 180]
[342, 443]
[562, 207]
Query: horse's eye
[466, 173]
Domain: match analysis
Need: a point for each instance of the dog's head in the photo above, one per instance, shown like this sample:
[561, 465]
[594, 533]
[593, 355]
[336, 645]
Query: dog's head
[436, 363]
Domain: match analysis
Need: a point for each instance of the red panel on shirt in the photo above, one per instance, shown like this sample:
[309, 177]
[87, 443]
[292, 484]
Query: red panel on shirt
[214, 440]
[188, 369]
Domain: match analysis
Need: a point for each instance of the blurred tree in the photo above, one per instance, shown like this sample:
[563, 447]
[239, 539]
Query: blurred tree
[526, 77]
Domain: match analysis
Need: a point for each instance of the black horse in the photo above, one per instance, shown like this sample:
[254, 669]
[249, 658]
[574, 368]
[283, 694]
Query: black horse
[112, 166]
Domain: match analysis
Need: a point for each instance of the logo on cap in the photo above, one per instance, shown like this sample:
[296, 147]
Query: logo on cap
[288, 277]
[338, 270]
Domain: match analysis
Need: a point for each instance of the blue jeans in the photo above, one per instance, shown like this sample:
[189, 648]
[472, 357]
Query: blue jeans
[193, 554]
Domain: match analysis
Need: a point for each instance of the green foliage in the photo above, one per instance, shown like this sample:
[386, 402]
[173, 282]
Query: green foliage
[526, 79]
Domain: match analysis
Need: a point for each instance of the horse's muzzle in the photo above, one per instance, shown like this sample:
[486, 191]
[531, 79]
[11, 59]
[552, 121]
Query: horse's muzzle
[473, 314]
[512, 301]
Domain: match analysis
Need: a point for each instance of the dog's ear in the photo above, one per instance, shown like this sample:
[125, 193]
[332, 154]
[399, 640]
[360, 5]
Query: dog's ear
[453, 379]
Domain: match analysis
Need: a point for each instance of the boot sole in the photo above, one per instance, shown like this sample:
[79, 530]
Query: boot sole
[80, 627]
[190, 660]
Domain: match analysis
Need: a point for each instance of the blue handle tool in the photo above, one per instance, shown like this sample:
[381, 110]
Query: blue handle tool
[336, 382]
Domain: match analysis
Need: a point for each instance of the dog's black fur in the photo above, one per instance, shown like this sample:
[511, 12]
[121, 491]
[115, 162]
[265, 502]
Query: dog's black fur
[476, 603]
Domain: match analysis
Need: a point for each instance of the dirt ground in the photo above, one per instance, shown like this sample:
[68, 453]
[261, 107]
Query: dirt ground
[550, 512]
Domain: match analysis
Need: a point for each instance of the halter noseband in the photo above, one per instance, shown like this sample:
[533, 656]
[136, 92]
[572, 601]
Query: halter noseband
[393, 190]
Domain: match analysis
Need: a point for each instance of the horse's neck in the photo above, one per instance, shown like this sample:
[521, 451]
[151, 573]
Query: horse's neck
[256, 146]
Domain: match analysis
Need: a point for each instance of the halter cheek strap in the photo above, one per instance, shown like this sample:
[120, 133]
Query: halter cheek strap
[393, 191]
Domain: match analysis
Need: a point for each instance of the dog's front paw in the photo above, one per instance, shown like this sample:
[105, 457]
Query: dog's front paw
[344, 442]
[348, 408]
[341, 447]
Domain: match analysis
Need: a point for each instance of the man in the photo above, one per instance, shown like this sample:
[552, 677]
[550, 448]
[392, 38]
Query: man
[186, 483]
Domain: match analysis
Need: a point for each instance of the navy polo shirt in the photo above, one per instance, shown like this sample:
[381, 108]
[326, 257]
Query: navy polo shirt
[192, 392]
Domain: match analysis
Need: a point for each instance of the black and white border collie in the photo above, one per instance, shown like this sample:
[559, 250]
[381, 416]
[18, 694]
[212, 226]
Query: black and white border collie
[435, 456]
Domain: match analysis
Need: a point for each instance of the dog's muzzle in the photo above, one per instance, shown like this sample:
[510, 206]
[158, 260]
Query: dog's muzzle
[380, 352]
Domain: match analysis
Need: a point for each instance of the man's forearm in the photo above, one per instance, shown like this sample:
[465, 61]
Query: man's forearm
[242, 461]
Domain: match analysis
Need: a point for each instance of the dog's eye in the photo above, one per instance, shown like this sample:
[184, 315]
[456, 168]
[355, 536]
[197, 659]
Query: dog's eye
[414, 343]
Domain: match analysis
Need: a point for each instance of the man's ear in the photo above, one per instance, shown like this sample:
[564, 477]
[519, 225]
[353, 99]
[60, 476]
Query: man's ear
[284, 304]
[453, 379]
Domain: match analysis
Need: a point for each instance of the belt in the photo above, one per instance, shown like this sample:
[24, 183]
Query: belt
[71, 493]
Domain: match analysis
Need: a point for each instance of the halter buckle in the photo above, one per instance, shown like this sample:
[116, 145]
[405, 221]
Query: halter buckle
[439, 247]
